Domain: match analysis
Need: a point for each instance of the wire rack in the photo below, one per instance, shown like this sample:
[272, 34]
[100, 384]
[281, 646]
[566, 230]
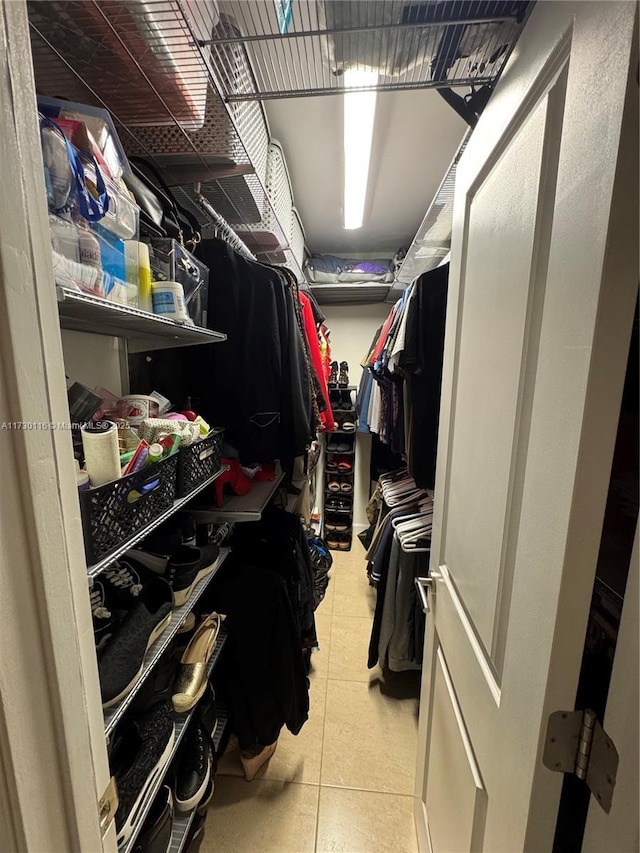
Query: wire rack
[181, 724]
[433, 238]
[182, 822]
[112, 716]
[145, 63]
[95, 569]
[304, 47]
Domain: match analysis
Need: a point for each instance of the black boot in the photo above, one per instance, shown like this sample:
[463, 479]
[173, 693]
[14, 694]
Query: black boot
[343, 376]
[333, 376]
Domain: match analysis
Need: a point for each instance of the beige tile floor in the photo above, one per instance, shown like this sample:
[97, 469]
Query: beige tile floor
[344, 784]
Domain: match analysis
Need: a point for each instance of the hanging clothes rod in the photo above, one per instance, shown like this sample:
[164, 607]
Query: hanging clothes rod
[221, 224]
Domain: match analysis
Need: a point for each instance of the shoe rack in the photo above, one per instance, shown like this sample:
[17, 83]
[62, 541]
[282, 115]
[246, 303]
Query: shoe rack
[113, 715]
[339, 470]
[182, 822]
[238, 508]
[137, 331]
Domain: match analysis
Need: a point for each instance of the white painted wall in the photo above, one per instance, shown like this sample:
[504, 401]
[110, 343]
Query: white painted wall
[93, 360]
[352, 329]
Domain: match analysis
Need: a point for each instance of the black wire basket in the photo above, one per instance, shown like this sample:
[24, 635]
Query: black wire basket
[199, 462]
[113, 513]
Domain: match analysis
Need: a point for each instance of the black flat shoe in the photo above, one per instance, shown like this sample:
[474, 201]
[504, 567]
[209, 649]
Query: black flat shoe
[337, 504]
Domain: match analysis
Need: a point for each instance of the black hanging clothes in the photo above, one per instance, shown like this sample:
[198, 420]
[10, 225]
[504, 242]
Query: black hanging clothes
[262, 675]
[257, 384]
[421, 361]
[254, 383]
[278, 543]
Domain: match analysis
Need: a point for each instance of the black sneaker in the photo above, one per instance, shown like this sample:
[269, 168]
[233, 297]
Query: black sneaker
[194, 768]
[222, 533]
[186, 570]
[155, 835]
[123, 582]
[120, 665]
[103, 619]
[183, 569]
[139, 757]
[205, 802]
[176, 531]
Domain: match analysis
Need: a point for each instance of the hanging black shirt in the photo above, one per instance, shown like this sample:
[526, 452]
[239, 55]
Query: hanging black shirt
[422, 362]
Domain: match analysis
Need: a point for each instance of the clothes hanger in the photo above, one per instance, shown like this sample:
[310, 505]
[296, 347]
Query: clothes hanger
[405, 496]
[393, 476]
[414, 522]
[410, 537]
[422, 509]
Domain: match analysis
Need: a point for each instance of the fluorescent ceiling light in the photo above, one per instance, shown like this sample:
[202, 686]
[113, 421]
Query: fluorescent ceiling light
[359, 114]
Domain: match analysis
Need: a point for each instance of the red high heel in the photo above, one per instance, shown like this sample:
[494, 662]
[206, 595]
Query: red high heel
[267, 473]
[239, 483]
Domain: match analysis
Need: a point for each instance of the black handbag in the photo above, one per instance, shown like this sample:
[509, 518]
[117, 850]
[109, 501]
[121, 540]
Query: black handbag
[160, 214]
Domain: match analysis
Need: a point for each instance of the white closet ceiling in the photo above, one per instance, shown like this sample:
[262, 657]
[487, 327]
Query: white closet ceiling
[416, 135]
[189, 83]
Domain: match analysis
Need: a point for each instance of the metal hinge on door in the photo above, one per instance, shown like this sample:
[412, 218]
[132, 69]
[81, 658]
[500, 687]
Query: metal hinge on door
[577, 743]
[107, 805]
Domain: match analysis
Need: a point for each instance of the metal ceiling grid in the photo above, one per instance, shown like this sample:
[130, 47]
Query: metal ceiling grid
[304, 47]
[143, 62]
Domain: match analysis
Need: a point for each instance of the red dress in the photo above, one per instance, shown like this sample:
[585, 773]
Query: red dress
[326, 417]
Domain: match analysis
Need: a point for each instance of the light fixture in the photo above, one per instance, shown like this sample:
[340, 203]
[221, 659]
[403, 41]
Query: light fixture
[359, 114]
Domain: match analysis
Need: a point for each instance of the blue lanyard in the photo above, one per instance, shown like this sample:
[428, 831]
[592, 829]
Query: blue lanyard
[91, 208]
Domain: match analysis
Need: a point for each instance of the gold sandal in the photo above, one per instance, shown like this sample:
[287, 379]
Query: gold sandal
[193, 672]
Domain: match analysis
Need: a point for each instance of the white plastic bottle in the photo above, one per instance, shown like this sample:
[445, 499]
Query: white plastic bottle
[90, 254]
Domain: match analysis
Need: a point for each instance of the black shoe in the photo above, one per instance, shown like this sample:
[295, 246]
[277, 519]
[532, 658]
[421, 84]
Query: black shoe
[155, 835]
[222, 533]
[139, 758]
[158, 686]
[337, 522]
[176, 531]
[334, 503]
[344, 447]
[195, 768]
[120, 665]
[205, 802]
[183, 569]
[123, 581]
[343, 376]
[333, 376]
[187, 568]
[344, 540]
[345, 401]
[104, 622]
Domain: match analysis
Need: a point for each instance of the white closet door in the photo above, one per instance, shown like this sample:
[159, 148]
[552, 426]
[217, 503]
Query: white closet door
[541, 297]
[52, 746]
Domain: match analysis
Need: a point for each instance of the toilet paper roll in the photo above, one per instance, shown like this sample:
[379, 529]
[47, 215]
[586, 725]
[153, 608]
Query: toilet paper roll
[101, 452]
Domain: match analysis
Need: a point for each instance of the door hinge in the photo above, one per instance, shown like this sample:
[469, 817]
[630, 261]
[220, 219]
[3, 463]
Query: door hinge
[577, 743]
[107, 805]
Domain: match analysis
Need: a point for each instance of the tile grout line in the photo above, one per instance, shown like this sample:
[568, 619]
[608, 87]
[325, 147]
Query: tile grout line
[366, 790]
